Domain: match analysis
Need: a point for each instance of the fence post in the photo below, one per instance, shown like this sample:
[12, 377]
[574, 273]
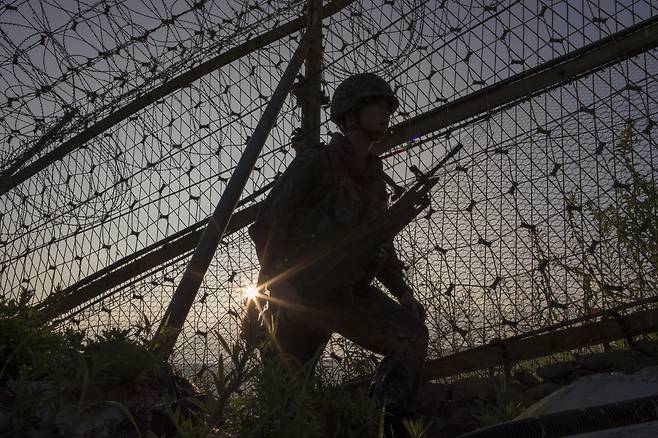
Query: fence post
[310, 91]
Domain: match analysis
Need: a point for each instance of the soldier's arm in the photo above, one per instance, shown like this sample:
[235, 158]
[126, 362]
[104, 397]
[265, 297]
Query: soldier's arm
[392, 274]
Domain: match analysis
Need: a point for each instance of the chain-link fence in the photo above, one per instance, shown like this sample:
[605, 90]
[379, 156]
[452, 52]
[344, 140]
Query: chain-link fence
[110, 166]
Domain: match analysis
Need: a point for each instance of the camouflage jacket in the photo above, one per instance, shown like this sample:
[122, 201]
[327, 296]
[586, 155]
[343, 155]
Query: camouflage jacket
[322, 195]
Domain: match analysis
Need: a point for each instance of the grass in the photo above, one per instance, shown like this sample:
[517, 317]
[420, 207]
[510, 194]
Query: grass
[417, 428]
[504, 407]
[53, 379]
[54, 375]
[58, 381]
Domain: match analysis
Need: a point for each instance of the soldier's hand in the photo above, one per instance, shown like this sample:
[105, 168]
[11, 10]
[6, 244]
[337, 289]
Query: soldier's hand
[408, 301]
[251, 329]
[298, 139]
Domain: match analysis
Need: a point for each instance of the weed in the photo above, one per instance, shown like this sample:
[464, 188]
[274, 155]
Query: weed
[417, 428]
[504, 407]
[59, 380]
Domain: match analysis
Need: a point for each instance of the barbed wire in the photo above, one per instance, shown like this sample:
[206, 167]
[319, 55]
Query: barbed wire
[495, 255]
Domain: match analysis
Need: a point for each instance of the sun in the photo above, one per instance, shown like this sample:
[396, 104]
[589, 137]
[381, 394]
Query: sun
[250, 292]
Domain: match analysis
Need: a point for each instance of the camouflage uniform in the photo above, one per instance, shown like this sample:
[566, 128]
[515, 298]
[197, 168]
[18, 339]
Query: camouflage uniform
[322, 195]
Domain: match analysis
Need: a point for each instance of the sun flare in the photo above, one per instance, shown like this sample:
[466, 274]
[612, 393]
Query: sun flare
[250, 292]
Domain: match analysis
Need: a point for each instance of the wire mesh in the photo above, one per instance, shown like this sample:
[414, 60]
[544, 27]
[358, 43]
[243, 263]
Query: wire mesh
[508, 245]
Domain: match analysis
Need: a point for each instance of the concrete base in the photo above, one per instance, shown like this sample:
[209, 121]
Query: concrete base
[600, 389]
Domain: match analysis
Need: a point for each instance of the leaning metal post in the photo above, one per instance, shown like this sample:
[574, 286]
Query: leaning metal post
[183, 298]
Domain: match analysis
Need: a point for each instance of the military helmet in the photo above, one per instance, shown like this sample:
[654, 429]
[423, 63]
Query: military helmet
[354, 89]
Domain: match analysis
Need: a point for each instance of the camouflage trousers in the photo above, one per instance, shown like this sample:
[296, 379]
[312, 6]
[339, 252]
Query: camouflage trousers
[369, 318]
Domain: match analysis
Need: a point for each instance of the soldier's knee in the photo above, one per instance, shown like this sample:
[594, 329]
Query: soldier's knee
[425, 333]
[423, 336]
[419, 336]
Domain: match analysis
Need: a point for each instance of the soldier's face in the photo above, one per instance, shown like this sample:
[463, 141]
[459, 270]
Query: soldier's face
[375, 116]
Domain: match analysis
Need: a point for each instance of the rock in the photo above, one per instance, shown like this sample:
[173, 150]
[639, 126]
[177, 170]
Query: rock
[5, 423]
[472, 388]
[432, 397]
[596, 389]
[540, 391]
[648, 348]
[601, 389]
[160, 423]
[107, 410]
[513, 393]
[102, 420]
[557, 372]
[526, 378]
[648, 372]
[459, 420]
[619, 360]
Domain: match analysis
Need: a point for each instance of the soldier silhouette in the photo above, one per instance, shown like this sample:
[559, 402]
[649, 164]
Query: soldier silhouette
[326, 192]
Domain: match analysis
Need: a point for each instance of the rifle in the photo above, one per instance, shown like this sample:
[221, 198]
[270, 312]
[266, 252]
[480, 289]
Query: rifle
[320, 262]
